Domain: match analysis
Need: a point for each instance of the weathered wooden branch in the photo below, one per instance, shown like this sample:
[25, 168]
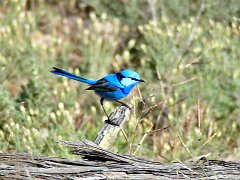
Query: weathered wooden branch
[98, 163]
[111, 127]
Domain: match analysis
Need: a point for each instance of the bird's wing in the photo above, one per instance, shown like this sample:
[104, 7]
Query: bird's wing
[114, 80]
[104, 86]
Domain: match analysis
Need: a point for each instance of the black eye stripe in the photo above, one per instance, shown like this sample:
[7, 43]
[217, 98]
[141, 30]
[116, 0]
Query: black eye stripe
[135, 79]
[119, 77]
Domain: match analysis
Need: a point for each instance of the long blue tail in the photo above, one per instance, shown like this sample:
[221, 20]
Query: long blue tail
[72, 76]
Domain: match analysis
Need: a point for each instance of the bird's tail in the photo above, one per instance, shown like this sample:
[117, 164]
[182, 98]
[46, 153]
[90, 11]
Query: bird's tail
[72, 76]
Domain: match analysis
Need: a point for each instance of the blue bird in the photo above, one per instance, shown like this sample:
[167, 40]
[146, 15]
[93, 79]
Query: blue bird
[111, 87]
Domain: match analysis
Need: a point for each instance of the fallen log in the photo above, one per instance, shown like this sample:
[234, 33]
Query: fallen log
[98, 163]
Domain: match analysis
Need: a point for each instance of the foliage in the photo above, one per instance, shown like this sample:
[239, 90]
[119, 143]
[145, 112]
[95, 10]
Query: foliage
[190, 67]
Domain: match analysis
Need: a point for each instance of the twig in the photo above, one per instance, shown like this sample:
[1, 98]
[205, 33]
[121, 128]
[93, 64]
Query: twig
[150, 109]
[153, 10]
[124, 135]
[191, 36]
[140, 94]
[199, 115]
[146, 134]
[184, 82]
[185, 146]
[167, 28]
[143, 138]
[206, 142]
[154, 131]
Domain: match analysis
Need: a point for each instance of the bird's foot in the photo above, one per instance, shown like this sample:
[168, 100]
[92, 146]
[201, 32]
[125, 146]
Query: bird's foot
[111, 123]
[124, 104]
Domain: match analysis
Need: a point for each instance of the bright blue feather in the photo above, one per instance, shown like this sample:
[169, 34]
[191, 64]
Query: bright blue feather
[111, 87]
[72, 76]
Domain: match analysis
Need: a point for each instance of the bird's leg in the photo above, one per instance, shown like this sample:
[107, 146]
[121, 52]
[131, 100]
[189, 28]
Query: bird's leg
[124, 104]
[101, 102]
[107, 121]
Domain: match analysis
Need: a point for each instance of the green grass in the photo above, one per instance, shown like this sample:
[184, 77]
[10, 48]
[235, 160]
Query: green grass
[193, 89]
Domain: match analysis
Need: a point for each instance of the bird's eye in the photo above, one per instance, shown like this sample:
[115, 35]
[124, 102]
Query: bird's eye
[119, 76]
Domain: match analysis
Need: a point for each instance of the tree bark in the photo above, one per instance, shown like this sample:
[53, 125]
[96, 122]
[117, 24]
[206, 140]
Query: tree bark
[98, 163]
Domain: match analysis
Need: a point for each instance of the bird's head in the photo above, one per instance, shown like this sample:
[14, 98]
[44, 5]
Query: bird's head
[129, 74]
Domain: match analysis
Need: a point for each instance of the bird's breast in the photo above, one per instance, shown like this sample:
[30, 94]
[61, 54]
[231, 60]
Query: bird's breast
[112, 96]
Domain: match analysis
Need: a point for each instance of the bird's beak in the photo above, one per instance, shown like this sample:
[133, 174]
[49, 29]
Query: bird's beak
[141, 80]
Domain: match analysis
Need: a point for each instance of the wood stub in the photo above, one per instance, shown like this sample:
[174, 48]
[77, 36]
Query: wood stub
[111, 127]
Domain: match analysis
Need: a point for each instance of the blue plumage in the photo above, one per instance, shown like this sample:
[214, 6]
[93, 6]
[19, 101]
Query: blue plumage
[72, 76]
[111, 87]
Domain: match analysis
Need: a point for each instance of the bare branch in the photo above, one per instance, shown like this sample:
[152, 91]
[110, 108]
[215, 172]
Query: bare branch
[195, 25]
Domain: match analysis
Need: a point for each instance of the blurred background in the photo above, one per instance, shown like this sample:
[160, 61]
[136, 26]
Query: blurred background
[188, 53]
